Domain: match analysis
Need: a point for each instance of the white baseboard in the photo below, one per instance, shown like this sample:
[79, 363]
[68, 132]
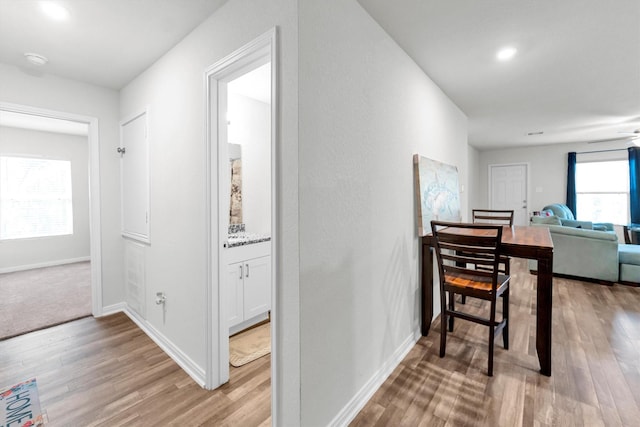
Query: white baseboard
[44, 264]
[178, 356]
[112, 309]
[248, 323]
[353, 407]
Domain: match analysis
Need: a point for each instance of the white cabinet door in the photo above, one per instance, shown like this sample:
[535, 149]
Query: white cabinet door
[134, 166]
[257, 289]
[235, 303]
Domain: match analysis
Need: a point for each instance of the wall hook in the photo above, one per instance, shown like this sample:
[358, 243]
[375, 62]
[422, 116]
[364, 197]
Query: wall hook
[161, 298]
[121, 150]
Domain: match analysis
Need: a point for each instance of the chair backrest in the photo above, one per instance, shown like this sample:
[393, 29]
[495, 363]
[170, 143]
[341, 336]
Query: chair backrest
[461, 248]
[627, 234]
[488, 216]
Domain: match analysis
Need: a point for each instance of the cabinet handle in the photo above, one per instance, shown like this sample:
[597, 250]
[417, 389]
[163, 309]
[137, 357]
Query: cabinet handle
[241, 272]
[247, 270]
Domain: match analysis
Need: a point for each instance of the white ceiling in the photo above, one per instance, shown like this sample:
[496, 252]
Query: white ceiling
[576, 75]
[255, 84]
[104, 42]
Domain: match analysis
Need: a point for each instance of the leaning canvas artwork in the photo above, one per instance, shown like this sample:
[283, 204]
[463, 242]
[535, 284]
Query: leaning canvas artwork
[437, 190]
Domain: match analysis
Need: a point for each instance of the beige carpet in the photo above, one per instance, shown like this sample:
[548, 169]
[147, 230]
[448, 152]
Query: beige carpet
[43, 297]
[250, 345]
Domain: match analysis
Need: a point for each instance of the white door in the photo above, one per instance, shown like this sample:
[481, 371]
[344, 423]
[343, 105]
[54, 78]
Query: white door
[508, 190]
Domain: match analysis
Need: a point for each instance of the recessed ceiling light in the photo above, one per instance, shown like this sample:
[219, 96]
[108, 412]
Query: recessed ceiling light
[506, 53]
[36, 59]
[54, 10]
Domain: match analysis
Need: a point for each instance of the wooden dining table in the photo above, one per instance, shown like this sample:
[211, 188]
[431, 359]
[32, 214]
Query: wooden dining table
[517, 241]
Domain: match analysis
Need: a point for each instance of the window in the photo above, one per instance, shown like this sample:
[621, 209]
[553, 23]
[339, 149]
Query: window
[602, 191]
[35, 197]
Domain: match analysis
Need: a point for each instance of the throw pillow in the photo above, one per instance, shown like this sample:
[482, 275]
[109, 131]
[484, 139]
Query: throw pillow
[548, 220]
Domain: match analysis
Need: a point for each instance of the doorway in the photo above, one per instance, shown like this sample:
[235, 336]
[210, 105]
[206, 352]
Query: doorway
[241, 170]
[74, 121]
[509, 189]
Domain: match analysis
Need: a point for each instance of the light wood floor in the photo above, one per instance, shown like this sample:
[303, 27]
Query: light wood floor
[595, 355]
[107, 372]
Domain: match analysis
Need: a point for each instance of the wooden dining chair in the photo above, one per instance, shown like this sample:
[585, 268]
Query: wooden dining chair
[498, 217]
[492, 216]
[458, 247]
[489, 216]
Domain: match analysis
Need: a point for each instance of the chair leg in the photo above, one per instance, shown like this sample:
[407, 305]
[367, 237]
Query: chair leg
[443, 331]
[463, 299]
[452, 306]
[505, 315]
[443, 321]
[492, 336]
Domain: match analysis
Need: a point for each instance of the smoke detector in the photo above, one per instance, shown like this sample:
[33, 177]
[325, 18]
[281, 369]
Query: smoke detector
[36, 59]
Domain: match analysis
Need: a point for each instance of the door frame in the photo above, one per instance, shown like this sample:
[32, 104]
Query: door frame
[217, 330]
[95, 233]
[527, 166]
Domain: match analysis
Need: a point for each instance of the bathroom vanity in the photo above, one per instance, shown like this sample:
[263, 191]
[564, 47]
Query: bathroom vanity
[249, 280]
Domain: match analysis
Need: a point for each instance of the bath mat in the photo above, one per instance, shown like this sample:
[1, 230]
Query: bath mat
[250, 345]
[20, 406]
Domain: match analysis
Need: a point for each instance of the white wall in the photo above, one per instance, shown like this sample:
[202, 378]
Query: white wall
[25, 253]
[364, 108]
[473, 188]
[174, 90]
[53, 93]
[548, 172]
[251, 128]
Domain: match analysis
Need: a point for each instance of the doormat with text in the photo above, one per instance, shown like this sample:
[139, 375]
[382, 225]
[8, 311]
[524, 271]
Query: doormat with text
[20, 406]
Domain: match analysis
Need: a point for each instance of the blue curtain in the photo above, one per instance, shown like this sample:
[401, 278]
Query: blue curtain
[634, 183]
[571, 184]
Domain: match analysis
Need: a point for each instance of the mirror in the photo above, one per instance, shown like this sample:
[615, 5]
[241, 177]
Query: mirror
[249, 145]
[235, 172]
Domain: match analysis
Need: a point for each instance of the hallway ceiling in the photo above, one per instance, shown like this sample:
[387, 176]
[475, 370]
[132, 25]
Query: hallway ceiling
[575, 77]
[103, 42]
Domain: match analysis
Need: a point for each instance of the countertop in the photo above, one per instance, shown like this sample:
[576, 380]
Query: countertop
[241, 239]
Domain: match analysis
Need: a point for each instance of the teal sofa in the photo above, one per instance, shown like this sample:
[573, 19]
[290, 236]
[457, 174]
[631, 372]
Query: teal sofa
[568, 220]
[629, 257]
[581, 252]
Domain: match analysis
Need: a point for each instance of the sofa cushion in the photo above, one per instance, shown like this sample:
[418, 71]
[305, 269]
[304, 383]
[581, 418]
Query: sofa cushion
[630, 273]
[583, 232]
[629, 254]
[587, 225]
[549, 220]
